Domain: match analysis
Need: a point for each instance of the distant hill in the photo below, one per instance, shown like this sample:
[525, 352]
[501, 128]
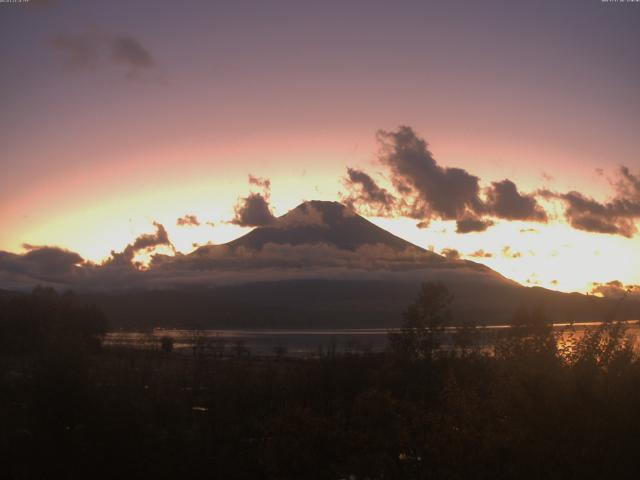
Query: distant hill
[339, 304]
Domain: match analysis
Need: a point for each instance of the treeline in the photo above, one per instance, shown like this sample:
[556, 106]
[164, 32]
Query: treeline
[529, 408]
[45, 318]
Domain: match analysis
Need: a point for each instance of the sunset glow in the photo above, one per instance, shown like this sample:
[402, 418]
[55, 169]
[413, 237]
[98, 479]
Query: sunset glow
[99, 142]
[289, 239]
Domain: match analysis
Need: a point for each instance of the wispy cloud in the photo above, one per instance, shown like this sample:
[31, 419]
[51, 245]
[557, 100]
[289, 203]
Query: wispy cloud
[92, 50]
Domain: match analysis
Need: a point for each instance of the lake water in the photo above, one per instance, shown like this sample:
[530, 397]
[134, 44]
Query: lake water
[310, 342]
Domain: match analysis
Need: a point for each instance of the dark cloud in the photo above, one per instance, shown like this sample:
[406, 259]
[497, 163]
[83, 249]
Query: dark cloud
[617, 216]
[129, 52]
[147, 241]
[41, 263]
[222, 265]
[366, 196]
[10, 262]
[599, 224]
[425, 190]
[188, 221]
[253, 211]
[78, 51]
[90, 50]
[436, 191]
[470, 223]
[52, 260]
[504, 201]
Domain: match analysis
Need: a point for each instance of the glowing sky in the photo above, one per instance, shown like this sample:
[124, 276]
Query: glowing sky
[117, 114]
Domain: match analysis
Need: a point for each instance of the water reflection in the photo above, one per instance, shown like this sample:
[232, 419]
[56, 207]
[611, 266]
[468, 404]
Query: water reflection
[312, 342]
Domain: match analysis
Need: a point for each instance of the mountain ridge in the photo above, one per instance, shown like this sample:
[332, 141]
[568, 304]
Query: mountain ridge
[317, 222]
[320, 264]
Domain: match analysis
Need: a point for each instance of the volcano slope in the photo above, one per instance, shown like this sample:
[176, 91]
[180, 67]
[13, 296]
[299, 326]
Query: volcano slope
[323, 266]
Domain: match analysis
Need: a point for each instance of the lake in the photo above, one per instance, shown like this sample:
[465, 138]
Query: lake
[300, 342]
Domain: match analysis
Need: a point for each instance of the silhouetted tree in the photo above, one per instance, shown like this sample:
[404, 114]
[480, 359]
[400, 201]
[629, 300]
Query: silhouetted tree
[43, 318]
[279, 351]
[240, 348]
[166, 344]
[529, 335]
[466, 337]
[423, 322]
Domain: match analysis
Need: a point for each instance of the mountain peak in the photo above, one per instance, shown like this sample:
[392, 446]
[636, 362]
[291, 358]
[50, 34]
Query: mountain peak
[315, 213]
[325, 206]
[321, 222]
